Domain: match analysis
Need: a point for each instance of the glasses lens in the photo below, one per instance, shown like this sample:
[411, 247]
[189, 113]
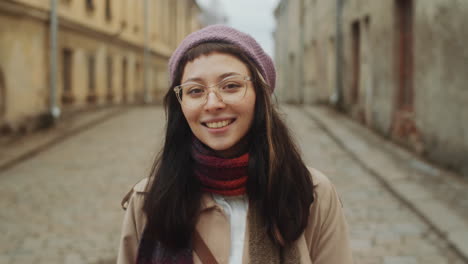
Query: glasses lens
[192, 94]
[232, 89]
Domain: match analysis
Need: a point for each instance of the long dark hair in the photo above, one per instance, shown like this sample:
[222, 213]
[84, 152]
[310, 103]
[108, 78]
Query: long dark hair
[279, 184]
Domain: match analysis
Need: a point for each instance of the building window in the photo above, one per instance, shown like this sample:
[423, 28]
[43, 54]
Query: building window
[123, 15]
[89, 5]
[2, 96]
[108, 10]
[109, 67]
[67, 61]
[124, 80]
[138, 87]
[137, 17]
[91, 79]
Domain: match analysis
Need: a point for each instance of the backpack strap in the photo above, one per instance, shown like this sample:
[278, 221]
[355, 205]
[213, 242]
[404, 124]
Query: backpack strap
[202, 249]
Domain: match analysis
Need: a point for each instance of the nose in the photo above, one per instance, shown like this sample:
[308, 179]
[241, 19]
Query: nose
[213, 102]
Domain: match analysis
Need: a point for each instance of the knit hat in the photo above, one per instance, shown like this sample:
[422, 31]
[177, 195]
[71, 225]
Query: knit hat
[222, 33]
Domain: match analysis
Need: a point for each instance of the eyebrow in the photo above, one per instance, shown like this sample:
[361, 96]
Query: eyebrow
[220, 77]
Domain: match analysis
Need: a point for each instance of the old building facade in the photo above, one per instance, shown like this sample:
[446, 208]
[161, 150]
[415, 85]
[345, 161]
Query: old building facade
[108, 52]
[397, 66]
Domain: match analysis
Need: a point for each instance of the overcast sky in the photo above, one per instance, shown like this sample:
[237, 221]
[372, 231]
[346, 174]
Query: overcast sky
[253, 17]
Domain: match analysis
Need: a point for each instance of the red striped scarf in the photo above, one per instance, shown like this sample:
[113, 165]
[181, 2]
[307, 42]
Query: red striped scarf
[225, 176]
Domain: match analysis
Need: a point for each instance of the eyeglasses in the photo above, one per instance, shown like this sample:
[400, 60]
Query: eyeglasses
[230, 90]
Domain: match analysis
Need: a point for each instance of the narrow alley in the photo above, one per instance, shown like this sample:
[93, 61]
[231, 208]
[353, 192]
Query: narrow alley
[63, 205]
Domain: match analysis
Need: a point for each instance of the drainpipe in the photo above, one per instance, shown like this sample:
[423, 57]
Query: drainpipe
[339, 100]
[146, 56]
[54, 110]
[301, 60]
[288, 74]
[286, 62]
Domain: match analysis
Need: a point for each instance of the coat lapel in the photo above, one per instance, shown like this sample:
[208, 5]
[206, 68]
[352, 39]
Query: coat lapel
[214, 228]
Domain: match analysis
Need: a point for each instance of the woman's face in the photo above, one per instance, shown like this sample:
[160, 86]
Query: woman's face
[229, 122]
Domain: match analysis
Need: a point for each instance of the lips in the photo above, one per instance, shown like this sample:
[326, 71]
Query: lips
[218, 123]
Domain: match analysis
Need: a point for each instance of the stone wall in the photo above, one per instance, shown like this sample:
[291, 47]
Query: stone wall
[288, 52]
[434, 125]
[305, 34]
[441, 80]
[320, 38]
[403, 69]
[23, 56]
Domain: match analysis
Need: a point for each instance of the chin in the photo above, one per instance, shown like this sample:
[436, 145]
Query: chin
[229, 149]
[220, 146]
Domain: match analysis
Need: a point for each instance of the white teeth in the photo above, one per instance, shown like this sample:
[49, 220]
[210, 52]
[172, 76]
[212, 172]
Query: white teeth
[218, 124]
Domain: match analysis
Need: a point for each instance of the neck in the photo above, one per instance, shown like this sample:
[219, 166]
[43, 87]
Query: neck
[237, 150]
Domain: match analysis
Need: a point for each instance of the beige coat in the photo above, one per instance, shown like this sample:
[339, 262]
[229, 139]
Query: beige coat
[324, 241]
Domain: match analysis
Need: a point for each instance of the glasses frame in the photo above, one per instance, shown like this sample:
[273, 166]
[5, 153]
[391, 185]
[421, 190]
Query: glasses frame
[214, 87]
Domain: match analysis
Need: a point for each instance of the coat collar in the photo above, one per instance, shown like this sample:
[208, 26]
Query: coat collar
[207, 202]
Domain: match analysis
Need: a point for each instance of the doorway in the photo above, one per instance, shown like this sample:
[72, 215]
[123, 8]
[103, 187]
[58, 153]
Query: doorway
[403, 126]
[124, 80]
[92, 95]
[110, 78]
[2, 97]
[404, 54]
[366, 73]
[67, 61]
[138, 95]
[331, 69]
[356, 61]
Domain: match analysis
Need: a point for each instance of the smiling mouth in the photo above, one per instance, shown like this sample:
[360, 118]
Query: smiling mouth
[219, 124]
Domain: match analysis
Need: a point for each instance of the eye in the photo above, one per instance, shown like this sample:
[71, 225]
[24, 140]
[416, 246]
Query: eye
[194, 90]
[231, 85]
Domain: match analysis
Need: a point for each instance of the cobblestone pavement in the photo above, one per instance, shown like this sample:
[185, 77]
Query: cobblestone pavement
[383, 230]
[63, 206]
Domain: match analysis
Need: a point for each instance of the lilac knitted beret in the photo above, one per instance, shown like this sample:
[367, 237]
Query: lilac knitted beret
[230, 35]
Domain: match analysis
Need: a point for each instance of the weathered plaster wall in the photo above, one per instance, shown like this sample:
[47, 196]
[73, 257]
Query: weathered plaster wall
[22, 58]
[322, 42]
[438, 118]
[86, 32]
[288, 53]
[441, 79]
[376, 77]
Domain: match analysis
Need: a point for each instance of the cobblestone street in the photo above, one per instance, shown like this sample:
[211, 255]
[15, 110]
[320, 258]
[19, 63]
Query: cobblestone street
[383, 230]
[63, 205]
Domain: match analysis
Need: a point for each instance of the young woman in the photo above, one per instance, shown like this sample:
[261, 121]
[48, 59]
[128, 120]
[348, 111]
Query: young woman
[229, 185]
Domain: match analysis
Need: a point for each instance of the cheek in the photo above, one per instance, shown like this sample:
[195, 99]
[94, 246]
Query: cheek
[251, 116]
[248, 112]
[190, 116]
[251, 108]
